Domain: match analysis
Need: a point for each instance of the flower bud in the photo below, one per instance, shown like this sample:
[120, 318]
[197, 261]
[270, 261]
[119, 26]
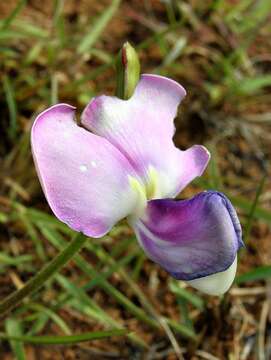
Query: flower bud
[128, 71]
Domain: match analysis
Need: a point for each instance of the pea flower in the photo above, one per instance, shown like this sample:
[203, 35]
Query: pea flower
[120, 162]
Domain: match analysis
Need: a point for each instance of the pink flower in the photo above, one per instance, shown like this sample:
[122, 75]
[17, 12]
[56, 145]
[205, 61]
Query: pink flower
[121, 162]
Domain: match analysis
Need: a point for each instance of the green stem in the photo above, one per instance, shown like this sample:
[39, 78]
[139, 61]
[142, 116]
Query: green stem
[44, 274]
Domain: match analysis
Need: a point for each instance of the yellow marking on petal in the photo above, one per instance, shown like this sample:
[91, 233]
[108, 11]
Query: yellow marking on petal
[146, 191]
[138, 187]
[152, 186]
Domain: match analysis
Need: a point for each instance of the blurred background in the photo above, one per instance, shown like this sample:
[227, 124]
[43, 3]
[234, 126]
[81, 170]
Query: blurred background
[64, 51]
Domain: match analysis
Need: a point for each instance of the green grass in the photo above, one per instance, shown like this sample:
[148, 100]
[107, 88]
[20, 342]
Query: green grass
[60, 340]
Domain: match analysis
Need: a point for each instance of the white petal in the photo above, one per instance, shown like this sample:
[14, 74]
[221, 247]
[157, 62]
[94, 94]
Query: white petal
[216, 284]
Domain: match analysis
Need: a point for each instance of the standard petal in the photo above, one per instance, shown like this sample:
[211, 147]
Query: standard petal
[84, 177]
[191, 239]
[142, 129]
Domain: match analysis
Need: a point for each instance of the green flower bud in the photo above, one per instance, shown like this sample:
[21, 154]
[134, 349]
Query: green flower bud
[128, 71]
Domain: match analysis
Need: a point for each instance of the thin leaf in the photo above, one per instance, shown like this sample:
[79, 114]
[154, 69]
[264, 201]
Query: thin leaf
[8, 35]
[5, 259]
[8, 20]
[185, 314]
[250, 219]
[30, 30]
[53, 316]
[110, 289]
[213, 169]
[33, 235]
[244, 204]
[182, 329]
[146, 304]
[187, 295]
[260, 273]
[40, 322]
[95, 30]
[67, 339]
[175, 52]
[54, 89]
[250, 86]
[12, 107]
[13, 328]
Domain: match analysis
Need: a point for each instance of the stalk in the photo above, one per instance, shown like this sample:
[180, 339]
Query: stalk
[44, 274]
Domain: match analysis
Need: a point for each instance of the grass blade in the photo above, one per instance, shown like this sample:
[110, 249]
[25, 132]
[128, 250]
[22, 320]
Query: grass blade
[88, 269]
[12, 107]
[253, 208]
[187, 295]
[5, 259]
[260, 273]
[66, 339]
[53, 316]
[7, 21]
[13, 328]
[250, 86]
[95, 30]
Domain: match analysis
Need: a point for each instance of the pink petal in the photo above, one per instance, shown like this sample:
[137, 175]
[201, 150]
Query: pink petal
[84, 177]
[142, 129]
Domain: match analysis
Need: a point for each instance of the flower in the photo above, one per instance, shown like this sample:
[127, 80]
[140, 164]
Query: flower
[120, 161]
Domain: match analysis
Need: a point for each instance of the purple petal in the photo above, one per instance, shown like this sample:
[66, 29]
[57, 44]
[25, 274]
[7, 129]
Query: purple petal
[142, 129]
[191, 238]
[84, 177]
